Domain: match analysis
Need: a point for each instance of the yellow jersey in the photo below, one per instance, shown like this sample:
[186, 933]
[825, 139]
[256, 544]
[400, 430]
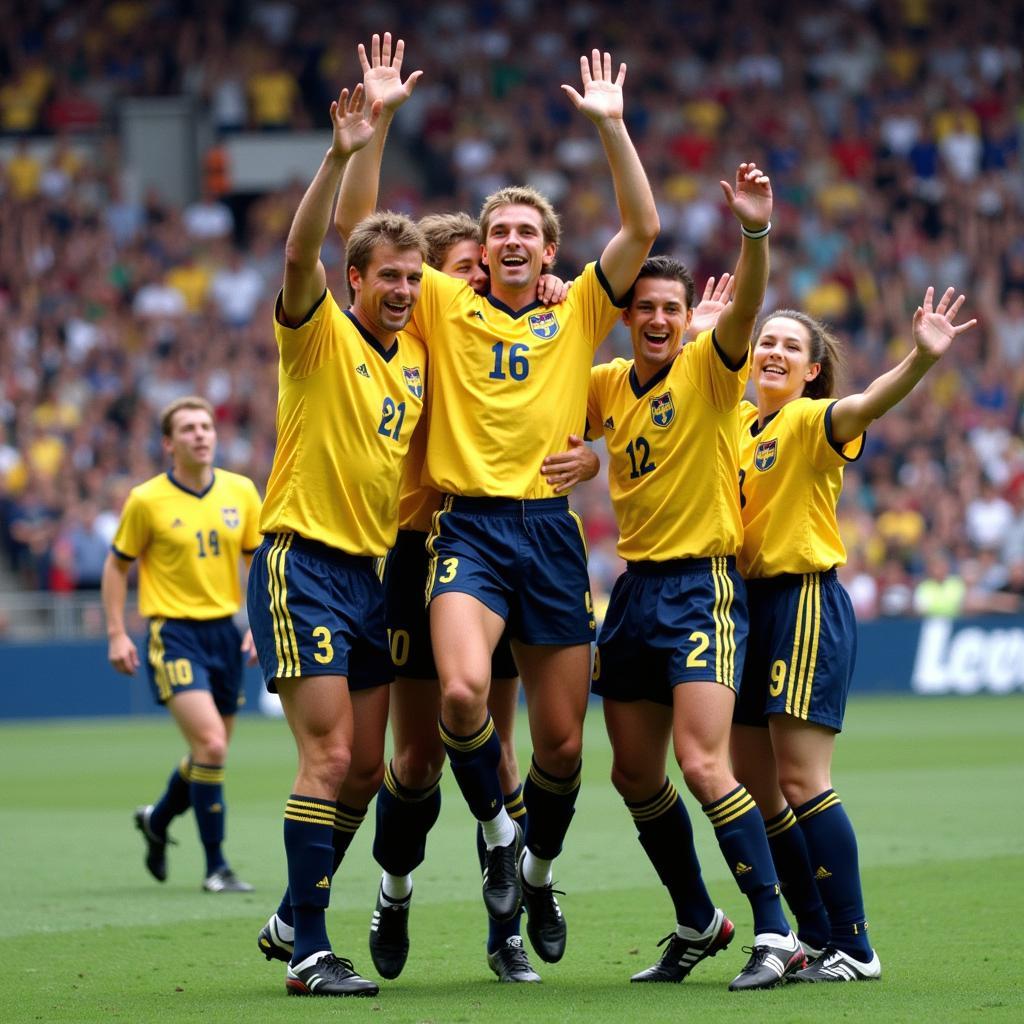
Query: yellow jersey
[791, 475]
[416, 503]
[346, 410]
[673, 452]
[507, 387]
[188, 544]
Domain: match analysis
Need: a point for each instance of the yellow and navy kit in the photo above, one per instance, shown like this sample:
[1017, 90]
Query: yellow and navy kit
[802, 650]
[416, 503]
[791, 475]
[185, 655]
[347, 408]
[672, 622]
[188, 544]
[404, 577]
[507, 387]
[673, 452]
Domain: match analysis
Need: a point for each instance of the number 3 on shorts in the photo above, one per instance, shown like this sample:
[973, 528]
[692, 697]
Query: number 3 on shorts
[451, 566]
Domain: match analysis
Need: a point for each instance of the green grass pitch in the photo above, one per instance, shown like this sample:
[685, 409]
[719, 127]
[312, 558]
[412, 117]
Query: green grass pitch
[934, 787]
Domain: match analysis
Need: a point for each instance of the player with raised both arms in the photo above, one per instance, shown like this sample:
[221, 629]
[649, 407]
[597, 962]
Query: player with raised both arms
[794, 444]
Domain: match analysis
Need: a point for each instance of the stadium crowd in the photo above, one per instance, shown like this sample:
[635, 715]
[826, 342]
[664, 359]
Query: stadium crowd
[892, 133]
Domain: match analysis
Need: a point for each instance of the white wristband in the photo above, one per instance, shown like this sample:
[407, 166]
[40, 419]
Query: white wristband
[756, 234]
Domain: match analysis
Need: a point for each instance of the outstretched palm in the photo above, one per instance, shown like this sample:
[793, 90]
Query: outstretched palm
[751, 200]
[382, 74]
[711, 306]
[602, 94]
[934, 331]
[353, 129]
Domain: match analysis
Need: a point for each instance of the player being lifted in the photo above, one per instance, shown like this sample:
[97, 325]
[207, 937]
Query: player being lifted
[508, 380]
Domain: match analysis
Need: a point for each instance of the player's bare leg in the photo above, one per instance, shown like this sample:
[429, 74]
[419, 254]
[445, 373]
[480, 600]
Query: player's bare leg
[464, 633]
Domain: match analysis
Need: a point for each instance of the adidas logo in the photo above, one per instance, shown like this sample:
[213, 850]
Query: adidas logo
[822, 873]
[362, 370]
[609, 424]
[477, 314]
[324, 883]
[177, 523]
[743, 869]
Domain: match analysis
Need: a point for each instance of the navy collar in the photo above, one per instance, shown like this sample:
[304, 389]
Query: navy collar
[755, 429]
[387, 354]
[188, 490]
[640, 390]
[515, 314]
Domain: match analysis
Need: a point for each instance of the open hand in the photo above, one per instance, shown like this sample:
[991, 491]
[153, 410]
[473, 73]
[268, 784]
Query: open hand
[934, 331]
[602, 95]
[382, 73]
[751, 200]
[353, 129]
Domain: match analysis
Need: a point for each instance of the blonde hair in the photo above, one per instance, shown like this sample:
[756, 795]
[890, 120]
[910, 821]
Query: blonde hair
[383, 228]
[522, 195]
[443, 230]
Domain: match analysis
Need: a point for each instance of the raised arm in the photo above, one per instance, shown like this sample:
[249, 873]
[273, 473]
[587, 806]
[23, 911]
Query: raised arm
[751, 204]
[934, 332]
[304, 276]
[602, 103]
[382, 80]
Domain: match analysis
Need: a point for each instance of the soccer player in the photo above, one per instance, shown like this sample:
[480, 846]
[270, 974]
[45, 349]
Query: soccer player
[187, 528]
[793, 446]
[672, 643]
[350, 392]
[507, 384]
[410, 799]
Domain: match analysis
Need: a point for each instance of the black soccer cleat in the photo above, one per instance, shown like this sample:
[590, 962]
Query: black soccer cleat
[769, 965]
[510, 962]
[682, 955]
[270, 943]
[156, 846]
[389, 936]
[835, 965]
[544, 922]
[502, 892]
[225, 880]
[330, 975]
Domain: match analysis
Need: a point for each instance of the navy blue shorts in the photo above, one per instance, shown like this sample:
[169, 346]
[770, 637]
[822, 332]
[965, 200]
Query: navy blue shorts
[404, 577]
[525, 560]
[317, 611]
[802, 650]
[672, 622]
[192, 654]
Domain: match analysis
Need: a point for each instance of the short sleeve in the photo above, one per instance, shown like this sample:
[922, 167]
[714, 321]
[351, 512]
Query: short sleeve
[720, 384]
[133, 532]
[814, 428]
[307, 346]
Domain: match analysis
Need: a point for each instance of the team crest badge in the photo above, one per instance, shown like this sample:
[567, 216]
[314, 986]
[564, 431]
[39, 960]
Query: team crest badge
[230, 517]
[543, 325]
[663, 410]
[413, 380]
[765, 454]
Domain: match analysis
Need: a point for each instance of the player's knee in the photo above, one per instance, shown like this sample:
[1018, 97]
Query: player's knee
[560, 756]
[362, 783]
[633, 782]
[706, 777]
[210, 748]
[328, 763]
[463, 705]
[419, 764]
[798, 787]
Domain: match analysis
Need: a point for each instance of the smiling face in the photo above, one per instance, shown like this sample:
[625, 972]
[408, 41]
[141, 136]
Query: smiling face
[192, 442]
[463, 261]
[657, 318]
[515, 252]
[781, 361]
[386, 292]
